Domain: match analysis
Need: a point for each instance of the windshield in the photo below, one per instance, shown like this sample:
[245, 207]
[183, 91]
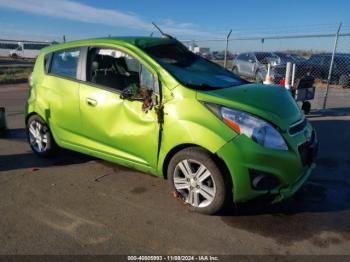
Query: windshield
[265, 57]
[286, 57]
[190, 69]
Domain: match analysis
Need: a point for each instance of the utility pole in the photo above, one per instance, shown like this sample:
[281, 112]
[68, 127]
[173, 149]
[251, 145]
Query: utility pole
[331, 65]
[226, 49]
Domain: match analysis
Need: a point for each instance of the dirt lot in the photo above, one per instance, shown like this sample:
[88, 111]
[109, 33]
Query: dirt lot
[74, 204]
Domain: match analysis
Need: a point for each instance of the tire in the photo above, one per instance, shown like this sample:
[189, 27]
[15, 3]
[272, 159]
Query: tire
[40, 137]
[15, 56]
[306, 107]
[344, 81]
[208, 196]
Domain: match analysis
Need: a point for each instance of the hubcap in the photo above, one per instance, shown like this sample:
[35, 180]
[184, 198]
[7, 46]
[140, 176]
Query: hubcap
[38, 136]
[195, 183]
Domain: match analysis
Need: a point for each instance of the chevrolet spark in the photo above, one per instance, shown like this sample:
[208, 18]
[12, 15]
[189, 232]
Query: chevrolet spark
[150, 104]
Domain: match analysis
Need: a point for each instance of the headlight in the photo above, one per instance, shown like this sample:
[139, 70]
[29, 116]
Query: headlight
[255, 128]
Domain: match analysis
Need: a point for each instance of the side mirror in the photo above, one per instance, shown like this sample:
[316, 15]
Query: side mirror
[126, 93]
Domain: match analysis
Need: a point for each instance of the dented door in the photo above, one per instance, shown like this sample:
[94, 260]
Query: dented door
[118, 127]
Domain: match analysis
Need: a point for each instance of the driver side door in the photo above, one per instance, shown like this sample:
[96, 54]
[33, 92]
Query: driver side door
[116, 127]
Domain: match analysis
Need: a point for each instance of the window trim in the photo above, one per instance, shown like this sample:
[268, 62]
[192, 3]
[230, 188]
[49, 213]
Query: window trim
[82, 64]
[60, 76]
[47, 56]
[83, 71]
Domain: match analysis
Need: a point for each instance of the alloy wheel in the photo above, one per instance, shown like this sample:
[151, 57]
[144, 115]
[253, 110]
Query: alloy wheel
[194, 182]
[38, 136]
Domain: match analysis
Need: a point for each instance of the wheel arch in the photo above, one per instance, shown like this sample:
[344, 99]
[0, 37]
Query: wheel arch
[219, 161]
[28, 116]
[32, 114]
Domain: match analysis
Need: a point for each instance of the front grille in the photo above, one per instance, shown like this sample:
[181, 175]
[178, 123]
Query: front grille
[298, 127]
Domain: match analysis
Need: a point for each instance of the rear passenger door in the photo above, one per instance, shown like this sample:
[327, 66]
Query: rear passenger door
[62, 92]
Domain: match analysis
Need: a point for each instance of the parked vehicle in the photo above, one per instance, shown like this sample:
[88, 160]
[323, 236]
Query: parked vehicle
[298, 58]
[254, 64]
[151, 104]
[27, 50]
[284, 58]
[318, 66]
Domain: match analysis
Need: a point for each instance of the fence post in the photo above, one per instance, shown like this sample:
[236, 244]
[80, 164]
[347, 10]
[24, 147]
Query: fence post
[288, 73]
[331, 66]
[293, 76]
[226, 49]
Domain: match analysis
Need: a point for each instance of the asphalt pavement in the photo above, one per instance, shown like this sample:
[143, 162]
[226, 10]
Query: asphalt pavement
[75, 204]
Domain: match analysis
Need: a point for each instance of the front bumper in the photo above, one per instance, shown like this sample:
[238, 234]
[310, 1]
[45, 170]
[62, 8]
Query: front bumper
[288, 192]
[241, 155]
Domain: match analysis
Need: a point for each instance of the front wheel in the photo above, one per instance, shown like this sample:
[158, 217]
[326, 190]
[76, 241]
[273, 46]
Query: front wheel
[197, 180]
[39, 137]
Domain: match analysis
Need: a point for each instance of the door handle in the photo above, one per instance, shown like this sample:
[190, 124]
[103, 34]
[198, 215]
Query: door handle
[91, 102]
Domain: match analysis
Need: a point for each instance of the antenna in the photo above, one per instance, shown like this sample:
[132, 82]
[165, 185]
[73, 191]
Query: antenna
[161, 32]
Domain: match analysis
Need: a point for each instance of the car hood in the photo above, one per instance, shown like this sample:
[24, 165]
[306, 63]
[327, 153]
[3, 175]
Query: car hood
[272, 103]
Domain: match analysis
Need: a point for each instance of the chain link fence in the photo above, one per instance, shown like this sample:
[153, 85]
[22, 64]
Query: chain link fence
[323, 58]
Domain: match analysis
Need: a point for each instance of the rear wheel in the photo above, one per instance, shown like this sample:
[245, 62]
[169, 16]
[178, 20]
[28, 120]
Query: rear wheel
[39, 137]
[197, 180]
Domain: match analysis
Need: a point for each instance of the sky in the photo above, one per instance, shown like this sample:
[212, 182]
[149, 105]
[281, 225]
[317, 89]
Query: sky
[187, 20]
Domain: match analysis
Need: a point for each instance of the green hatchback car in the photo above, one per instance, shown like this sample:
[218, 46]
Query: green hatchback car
[151, 104]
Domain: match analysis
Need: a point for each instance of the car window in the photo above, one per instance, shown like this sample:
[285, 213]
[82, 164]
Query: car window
[266, 57]
[64, 63]
[117, 70]
[243, 57]
[251, 57]
[147, 79]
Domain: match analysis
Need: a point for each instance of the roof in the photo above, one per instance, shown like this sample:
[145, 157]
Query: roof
[140, 41]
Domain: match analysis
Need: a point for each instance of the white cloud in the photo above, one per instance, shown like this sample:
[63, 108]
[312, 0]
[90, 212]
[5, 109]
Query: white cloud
[71, 10]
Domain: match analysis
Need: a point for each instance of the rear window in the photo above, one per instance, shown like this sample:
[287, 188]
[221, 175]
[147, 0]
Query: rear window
[65, 63]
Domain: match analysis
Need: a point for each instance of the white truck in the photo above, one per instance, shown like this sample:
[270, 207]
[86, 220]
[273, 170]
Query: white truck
[21, 49]
[27, 50]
